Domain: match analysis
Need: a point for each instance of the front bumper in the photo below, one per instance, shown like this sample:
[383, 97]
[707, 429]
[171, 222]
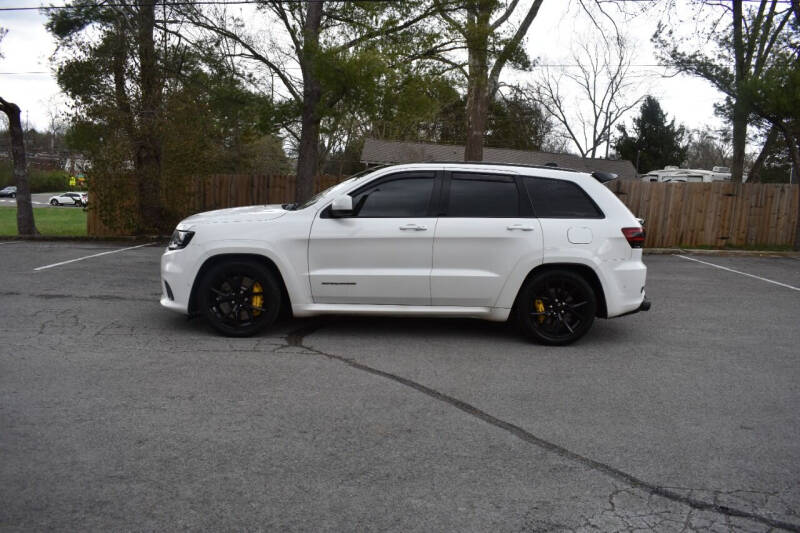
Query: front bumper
[176, 281]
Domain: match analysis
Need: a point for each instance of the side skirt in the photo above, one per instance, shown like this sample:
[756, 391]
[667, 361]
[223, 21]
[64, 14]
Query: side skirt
[495, 314]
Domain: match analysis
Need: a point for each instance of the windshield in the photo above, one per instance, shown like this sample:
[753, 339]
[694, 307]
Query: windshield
[314, 199]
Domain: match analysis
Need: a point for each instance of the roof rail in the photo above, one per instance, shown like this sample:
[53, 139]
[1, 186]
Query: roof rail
[545, 166]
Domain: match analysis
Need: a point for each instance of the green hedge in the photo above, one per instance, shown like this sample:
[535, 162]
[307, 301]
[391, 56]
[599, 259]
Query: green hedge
[40, 180]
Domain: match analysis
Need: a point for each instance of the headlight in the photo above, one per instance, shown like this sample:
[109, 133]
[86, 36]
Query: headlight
[180, 239]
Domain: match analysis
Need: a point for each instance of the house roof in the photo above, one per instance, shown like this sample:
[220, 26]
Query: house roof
[379, 152]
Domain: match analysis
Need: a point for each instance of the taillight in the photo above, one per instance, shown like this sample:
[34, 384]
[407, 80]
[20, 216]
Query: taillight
[634, 236]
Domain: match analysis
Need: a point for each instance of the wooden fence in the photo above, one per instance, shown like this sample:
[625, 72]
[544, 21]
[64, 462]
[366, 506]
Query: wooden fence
[194, 195]
[715, 214]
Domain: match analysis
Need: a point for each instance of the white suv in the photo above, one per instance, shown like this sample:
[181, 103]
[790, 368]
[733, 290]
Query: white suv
[552, 246]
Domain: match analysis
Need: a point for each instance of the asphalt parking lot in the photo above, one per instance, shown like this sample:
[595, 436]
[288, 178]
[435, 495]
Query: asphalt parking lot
[116, 414]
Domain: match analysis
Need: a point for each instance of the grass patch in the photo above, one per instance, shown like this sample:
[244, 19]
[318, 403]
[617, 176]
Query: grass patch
[55, 221]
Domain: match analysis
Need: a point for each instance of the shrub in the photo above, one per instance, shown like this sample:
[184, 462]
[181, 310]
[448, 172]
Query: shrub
[40, 180]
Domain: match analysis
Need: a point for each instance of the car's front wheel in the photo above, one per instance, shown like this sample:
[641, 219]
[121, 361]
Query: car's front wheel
[54, 202]
[556, 307]
[239, 297]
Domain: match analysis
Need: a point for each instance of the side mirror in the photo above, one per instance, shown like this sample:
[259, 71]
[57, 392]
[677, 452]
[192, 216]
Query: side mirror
[342, 206]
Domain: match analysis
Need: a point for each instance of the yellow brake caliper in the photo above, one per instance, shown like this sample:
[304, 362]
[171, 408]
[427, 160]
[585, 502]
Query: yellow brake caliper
[258, 298]
[539, 305]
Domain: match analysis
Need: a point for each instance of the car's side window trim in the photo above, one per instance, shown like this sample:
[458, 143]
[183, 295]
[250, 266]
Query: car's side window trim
[432, 200]
[601, 214]
[524, 208]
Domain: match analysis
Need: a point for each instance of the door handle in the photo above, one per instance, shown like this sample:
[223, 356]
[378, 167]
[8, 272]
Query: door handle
[520, 227]
[413, 227]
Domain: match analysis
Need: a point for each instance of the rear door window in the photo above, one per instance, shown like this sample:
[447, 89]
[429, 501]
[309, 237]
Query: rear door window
[482, 196]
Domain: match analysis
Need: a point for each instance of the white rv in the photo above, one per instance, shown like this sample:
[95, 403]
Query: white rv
[673, 174]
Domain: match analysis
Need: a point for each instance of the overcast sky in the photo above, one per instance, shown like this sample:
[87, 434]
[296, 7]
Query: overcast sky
[27, 48]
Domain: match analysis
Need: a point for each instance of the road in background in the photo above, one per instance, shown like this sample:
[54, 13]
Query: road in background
[37, 199]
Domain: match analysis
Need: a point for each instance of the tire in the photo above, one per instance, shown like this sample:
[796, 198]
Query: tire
[556, 307]
[228, 297]
[13, 195]
[54, 202]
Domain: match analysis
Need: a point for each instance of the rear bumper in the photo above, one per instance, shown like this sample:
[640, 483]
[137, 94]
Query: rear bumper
[645, 306]
[623, 285]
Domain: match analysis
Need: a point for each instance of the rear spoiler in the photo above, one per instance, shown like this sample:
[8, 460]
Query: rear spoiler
[604, 177]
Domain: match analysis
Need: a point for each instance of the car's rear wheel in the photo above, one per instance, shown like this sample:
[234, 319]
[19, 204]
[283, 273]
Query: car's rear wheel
[556, 307]
[239, 298]
[13, 195]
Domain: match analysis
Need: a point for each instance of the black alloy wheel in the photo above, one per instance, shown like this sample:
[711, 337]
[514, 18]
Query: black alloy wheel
[556, 307]
[54, 202]
[239, 298]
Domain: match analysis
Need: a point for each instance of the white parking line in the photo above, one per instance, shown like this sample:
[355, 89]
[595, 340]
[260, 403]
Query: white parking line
[93, 255]
[740, 272]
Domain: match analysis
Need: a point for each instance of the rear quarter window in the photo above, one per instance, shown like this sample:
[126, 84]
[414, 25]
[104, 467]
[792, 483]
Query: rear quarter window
[553, 198]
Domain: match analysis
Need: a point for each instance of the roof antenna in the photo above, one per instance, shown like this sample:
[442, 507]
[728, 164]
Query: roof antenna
[550, 164]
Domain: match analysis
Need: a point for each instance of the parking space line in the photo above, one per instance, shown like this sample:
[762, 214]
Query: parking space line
[91, 256]
[740, 272]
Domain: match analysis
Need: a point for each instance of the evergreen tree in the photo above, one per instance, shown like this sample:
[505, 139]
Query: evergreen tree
[655, 143]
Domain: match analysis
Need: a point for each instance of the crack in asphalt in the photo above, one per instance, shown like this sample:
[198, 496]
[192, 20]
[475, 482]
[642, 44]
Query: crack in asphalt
[296, 338]
[107, 297]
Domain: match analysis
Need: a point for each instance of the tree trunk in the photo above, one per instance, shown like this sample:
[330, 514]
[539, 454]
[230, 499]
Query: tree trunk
[25, 223]
[758, 164]
[739, 141]
[147, 160]
[740, 114]
[308, 149]
[478, 81]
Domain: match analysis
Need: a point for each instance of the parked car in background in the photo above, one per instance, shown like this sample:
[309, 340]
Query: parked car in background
[551, 247]
[9, 192]
[69, 198]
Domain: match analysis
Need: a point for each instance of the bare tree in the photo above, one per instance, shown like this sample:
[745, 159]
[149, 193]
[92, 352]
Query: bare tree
[737, 58]
[490, 45]
[589, 99]
[56, 125]
[321, 36]
[25, 222]
[758, 165]
[708, 148]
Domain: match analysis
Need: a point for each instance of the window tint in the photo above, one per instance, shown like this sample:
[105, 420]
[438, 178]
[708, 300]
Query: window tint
[560, 199]
[402, 197]
[474, 195]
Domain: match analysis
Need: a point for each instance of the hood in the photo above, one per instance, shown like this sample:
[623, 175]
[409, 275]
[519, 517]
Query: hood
[253, 213]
